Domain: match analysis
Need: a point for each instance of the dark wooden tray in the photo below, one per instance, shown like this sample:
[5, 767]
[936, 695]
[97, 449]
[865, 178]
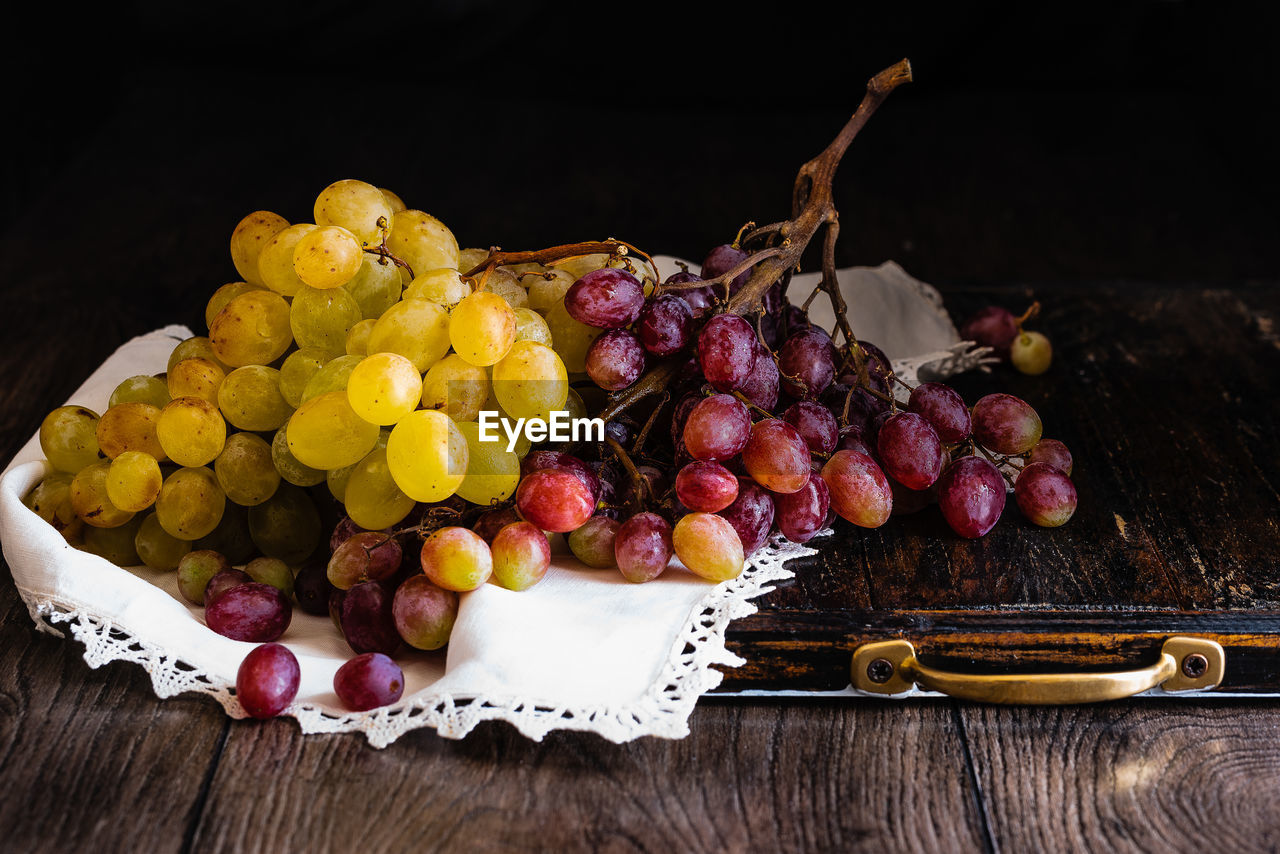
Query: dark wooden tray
[1167, 399]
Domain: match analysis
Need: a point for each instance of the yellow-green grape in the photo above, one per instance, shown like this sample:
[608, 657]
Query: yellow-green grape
[191, 431]
[275, 264]
[504, 284]
[546, 289]
[332, 376]
[288, 465]
[571, 339]
[90, 500]
[298, 369]
[245, 469]
[372, 498]
[580, 265]
[469, 259]
[392, 199]
[336, 479]
[287, 526]
[531, 327]
[413, 328]
[376, 286]
[493, 472]
[328, 257]
[422, 241]
[325, 432]
[191, 503]
[116, 545]
[482, 328]
[133, 481]
[250, 399]
[158, 548]
[196, 347]
[321, 319]
[358, 338]
[455, 387]
[130, 427]
[530, 381]
[69, 438]
[142, 389]
[196, 377]
[575, 405]
[384, 388]
[51, 499]
[224, 295]
[427, 455]
[253, 329]
[251, 235]
[356, 207]
[443, 287]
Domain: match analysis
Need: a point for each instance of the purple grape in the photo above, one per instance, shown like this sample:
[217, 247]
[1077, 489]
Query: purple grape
[252, 612]
[267, 680]
[615, 360]
[367, 556]
[727, 351]
[656, 480]
[909, 450]
[1045, 495]
[761, 387]
[971, 495]
[619, 431]
[344, 531]
[852, 439]
[223, 581]
[706, 487]
[368, 681]
[751, 515]
[717, 428]
[493, 521]
[878, 364]
[311, 587]
[1006, 424]
[806, 365]
[802, 514]
[680, 415]
[860, 492]
[992, 327]
[699, 300]
[943, 407]
[665, 325]
[607, 298]
[1049, 451]
[815, 424]
[367, 620]
[721, 260]
[593, 542]
[423, 613]
[642, 547]
[908, 501]
[539, 460]
[776, 457]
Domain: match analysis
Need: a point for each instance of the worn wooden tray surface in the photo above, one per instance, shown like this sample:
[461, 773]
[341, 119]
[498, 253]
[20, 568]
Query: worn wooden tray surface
[1167, 399]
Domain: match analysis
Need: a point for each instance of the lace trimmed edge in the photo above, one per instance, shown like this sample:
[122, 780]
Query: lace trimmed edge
[662, 711]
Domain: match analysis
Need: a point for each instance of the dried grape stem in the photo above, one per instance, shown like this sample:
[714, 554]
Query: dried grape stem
[498, 258]
[812, 207]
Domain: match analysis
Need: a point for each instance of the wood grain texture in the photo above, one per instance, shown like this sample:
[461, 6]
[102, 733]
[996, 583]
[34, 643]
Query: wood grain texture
[816, 776]
[92, 759]
[1139, 776]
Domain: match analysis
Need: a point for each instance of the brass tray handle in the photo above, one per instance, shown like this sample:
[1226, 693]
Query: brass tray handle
[1185, 664]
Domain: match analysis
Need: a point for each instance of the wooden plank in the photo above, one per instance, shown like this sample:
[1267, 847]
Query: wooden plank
[817, 776]
[92, 759]
[811, 652]
[1131, 776]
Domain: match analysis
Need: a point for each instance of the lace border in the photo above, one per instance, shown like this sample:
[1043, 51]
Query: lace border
[663, 711]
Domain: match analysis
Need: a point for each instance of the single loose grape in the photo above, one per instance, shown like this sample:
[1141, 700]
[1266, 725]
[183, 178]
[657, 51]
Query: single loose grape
[1031, 353]
[249, 238]
[368, 681]
[384, 387]
[267, 680]
[251, 612]
[427, 455]
[68, 438]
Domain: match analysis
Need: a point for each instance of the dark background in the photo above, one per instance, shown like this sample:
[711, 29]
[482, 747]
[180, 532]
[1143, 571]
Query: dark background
[1040, 145]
